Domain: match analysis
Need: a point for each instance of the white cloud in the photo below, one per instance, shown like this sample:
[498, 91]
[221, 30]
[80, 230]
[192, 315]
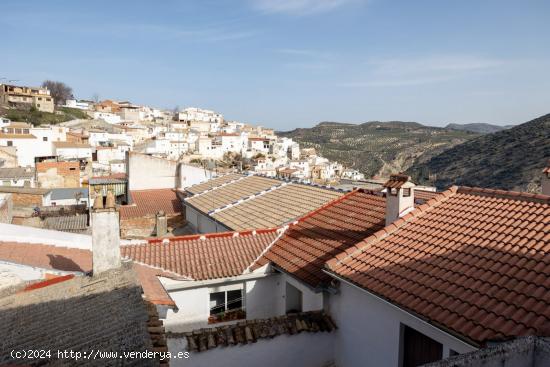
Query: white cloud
[299, 7]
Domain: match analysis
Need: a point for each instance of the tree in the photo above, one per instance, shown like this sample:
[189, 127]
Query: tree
[95, 98]
[60, 91]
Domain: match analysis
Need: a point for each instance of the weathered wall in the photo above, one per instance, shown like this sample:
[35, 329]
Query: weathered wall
[147, 172]
[142, 227]
[26, 200]
[58, 174]
[8, 157]
[301, 350]
[6, 208]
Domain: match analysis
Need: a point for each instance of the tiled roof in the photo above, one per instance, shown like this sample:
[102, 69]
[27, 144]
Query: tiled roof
[78, 260]
[305, 247]
[250, 331]
[214, 256]
[424, 194]
[215, 182]
[69, 223]
[276, 207]
[16, 173]
[231, 193]
[150, 202]
[82, 314]
[396, 181]
[472, 261]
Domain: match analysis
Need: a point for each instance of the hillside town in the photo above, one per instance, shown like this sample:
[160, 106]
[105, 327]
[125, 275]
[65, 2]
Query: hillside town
[216, 242]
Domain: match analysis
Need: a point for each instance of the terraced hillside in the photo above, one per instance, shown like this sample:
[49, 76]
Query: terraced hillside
[378, 148]
[511, 159]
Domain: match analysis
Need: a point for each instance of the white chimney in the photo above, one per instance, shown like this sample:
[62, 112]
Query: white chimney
[105, 235]
[399, 197]
[545, 180]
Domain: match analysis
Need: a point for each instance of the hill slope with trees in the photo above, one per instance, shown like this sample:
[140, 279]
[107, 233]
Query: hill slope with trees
[510, 159]
[378, 148]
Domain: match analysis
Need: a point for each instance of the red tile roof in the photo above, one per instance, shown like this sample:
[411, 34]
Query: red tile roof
[472, 261]
[79, 260]
[396, 181]
[305, 247]
[424, 194]
[150, 202]
[201, 257]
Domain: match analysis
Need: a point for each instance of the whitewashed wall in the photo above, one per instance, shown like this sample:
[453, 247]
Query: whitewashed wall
[301, 350]
[260, 300]
[369, 330]
[264, 298]
[202, 223]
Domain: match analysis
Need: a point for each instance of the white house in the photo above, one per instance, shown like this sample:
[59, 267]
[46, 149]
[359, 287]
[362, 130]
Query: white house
[70, 150]
[81, 105]
[109, 117]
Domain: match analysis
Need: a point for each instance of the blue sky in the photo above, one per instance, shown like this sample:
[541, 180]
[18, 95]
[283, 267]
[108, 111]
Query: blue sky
[293, 63]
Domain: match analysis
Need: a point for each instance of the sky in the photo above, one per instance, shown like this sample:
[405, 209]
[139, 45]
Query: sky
[292, 63]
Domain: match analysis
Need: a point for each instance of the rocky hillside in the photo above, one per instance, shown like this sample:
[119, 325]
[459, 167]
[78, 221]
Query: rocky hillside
[378, 148]
[479, 128]
[511, 159]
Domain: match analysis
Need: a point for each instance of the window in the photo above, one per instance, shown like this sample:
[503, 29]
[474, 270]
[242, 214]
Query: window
[45, 138]
[418, 349]
[10, 143]
[407, 192]
[6, 183]
[226, 301]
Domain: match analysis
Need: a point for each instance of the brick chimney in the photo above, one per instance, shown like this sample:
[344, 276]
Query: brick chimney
[545, 180]
[399, 197]
[105, 235]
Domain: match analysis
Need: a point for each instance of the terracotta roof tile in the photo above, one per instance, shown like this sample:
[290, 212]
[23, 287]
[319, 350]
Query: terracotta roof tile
[150, 202]
[466, 262]
[79, 260]
[319, 236]
[231, 193]
[214, 182]
[276, 207]
[201, 257]
[396, 181]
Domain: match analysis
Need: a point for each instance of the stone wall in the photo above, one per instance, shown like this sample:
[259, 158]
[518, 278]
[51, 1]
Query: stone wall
[142, 227]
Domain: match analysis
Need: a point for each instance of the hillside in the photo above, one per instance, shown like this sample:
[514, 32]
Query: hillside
[36, 117]
[378, 148]
[480, 128]
[511, 159]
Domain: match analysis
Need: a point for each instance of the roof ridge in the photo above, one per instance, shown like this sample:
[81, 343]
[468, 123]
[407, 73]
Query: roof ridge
[191, 237]
[213, 188]
[248, 198]
[331, 203]
[505, 194]
[391, 228]
[282, 231]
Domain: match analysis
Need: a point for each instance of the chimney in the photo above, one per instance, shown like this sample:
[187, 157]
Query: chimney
[399, 197]
[545, 180]
[162, 224]
[105, 235]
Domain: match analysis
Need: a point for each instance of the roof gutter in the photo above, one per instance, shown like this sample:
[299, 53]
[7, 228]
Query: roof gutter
[466, 341]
